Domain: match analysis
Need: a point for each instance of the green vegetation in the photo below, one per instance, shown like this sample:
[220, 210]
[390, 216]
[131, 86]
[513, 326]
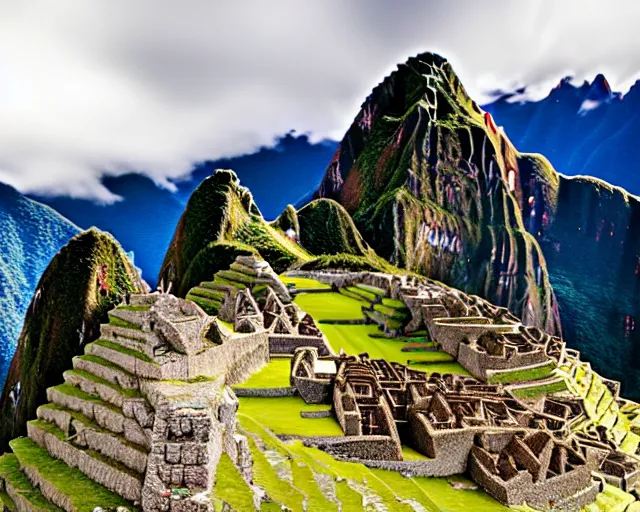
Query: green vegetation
[11, 473]
[348, 262]
[522, 375]
[277, 488]
[123, 350]
[274, 375]
[119, 322]
[84, 494]
[134, 308]
[210, 259]
[89, 276]
[327, 228]
[363, 293]
[288, 219]
[279, 252]
[537, 390]
[129, 393]
[231, 488]
[330, 306]
[103, 362]
[304, 283]
[393, 303]
[282, 416]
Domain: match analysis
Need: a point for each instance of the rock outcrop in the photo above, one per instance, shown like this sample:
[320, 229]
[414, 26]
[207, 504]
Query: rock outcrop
[432, 184]
[89, 276]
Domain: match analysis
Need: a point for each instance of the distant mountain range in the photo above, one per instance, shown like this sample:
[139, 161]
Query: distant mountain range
[30, 235]
[146, 217]
[582, 129]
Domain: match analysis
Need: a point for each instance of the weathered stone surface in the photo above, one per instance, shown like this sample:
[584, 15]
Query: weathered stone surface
[100, 471]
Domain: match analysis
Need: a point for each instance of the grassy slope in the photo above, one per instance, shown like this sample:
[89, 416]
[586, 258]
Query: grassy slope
[50, 337]
[221, 221]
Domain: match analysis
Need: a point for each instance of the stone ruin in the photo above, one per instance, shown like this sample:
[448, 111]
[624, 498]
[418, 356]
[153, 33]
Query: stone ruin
[147, 411]
[549, 449]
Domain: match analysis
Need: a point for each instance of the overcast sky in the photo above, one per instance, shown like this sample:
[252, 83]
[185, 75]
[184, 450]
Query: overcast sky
[151, 86]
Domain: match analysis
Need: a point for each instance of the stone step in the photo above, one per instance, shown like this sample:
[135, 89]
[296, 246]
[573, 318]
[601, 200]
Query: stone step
[143, 299]
[89, 435]
[135, 362]
[136, 319]
[97, 386]
[112, 475]
[135, 340]
[209, 306]
[64, 486]
[102, 413]
[106, 370]
[23, 495]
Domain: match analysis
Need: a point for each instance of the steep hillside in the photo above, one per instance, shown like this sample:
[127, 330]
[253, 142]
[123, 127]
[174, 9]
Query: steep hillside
[31, 234]
[586, 129]
[221, 217]
[89, 276]
[435, 186]
[430, 183]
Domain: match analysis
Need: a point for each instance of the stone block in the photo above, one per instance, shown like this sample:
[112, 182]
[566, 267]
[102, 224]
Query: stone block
[172, 453]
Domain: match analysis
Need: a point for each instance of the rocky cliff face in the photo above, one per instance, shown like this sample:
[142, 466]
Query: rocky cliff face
[31, 234]
[433, 186]
[221, 221]
[89, 276]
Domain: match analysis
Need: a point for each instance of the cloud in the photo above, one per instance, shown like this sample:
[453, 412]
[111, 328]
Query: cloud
[107, 87]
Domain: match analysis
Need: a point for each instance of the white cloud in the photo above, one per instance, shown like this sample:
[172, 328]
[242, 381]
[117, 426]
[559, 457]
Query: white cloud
[114, 86]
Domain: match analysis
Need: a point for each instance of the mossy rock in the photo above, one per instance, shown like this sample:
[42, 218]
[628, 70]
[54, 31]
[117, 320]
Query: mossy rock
[88, 277]
[327, 228]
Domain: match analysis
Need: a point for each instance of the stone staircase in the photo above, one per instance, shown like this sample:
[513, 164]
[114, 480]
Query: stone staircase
[118, 414]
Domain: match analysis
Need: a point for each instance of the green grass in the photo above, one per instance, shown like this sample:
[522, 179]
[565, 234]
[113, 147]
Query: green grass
[434, 494]
[237, 277]
[226, 325]
[304, 283]
[409, 453]
[103, 362]
[11, 473]
[282, 416]
[448, 499]
[209, 306]
[84, 494]
[397, 313]
[330, 306]
[124, 350]
[119, 322]
[522, 375]
[274, 375]
[231, 488]
[356, 339]
[378, 292]
[393, 303]
[612, 499]
[278, 489]
[365, 294]
[6, 502]
[543, 389]
[207, 293]
[134, 308]
[130, 393]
